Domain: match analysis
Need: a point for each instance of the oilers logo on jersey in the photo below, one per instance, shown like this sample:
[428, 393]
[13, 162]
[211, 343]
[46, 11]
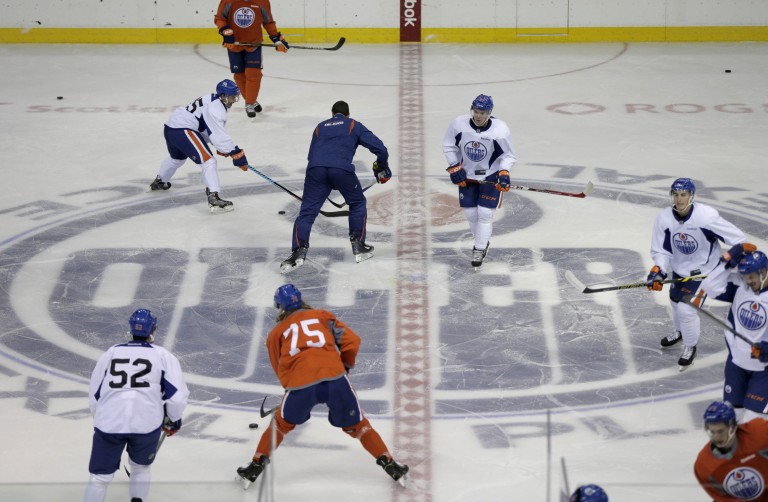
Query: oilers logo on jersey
[744, 483]
[752, 315]
[244, 17]
[475, 151]
[685, 243]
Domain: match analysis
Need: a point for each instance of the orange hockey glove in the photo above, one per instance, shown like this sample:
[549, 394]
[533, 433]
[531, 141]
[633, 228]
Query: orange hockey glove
[653, 282]
[458, 175]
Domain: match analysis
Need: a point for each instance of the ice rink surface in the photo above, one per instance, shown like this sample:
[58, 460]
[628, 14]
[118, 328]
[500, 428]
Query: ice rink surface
[462, 372]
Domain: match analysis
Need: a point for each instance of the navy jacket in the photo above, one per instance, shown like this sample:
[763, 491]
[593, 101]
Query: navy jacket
[335, 140]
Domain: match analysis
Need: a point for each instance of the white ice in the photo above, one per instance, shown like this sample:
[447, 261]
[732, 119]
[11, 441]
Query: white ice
[628, 117]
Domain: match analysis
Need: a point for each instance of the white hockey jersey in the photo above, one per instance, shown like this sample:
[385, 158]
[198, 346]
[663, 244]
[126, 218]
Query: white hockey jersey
[748, 315]
[130, 386]
[208, 116]
[691, 245]
[481, 152]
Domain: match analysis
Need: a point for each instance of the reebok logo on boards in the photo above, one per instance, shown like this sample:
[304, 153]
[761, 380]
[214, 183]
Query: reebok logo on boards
[410, 12]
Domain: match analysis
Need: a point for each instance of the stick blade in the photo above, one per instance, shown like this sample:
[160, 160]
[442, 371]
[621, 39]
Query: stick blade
[587, 189]
[575, 282]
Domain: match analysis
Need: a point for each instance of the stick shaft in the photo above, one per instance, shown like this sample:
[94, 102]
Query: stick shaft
[291, 46]
[641, 284]
[329, 214]
[579, 195]
[345, 202]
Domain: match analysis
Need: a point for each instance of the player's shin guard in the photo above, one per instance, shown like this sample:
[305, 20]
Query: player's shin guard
[96, 491]
[138, 486]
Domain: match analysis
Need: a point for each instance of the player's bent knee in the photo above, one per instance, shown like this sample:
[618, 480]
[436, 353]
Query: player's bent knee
[102, 479]
[283, 426]
[357, 430]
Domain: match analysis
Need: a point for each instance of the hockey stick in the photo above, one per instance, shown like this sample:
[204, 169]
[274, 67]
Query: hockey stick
[755, 347]
[291, 46]
[580, 195]
[570, 277]
[151, 455]
[268, 412]
[329, 214]
[345, 202]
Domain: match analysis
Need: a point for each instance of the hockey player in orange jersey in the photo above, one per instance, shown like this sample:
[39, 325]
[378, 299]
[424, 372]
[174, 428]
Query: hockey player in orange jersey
[311, 352]
[734, 464]
[241, 21]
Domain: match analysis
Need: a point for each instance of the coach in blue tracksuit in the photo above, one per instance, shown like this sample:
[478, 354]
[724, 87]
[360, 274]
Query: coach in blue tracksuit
[330, 167]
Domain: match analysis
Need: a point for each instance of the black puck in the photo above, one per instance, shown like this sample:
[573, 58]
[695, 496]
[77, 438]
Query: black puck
[727, 71]
[281, 212]
[253, 425]
[59, 97]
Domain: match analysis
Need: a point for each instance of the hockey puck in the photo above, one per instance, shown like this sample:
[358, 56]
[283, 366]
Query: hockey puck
[727, 71]
[59, 97]
[253, 425]
[281, 212]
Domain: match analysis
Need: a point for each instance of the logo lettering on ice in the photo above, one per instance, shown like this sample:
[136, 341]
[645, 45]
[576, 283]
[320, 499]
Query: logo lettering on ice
[475, 151]
[685, 243]
[410, 13]
[744, 483]
[244, 17]
[751, 315]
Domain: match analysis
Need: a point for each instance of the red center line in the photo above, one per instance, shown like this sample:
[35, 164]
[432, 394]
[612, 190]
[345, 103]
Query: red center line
[412, 405]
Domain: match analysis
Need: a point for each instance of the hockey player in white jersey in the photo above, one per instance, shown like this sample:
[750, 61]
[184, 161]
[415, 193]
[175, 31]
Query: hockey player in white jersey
[136, 391]
[187, 134]
[685, 243]
[479, 151]
[741, 279]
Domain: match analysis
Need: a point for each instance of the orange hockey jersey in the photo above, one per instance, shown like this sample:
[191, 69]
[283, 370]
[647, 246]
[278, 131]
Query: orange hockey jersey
[246, 17]
[311, 346]
[742, 474]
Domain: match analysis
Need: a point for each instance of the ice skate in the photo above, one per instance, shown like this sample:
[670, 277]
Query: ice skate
[361, 250]
[217, 204]
[248, 474]
[252, 110]
[478, 255]
[671, 340]
[398, 472]
[136, 499]
[159, 184]
[297, 258]
[686, 359]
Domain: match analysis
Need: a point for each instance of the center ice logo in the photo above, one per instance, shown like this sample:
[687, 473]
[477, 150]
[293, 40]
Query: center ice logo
[744, 483]
[244, 17]
[475, 151]
[685, 243]
[751, 315]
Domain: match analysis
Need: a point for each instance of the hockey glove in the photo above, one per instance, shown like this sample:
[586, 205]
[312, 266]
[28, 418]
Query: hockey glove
[734, 255]
[760, 351]
[238, 158]
[382, 173]
[281, 45]
[458, 175]
[653, 282]
[228, 35]
[503, 182]
[170, 427]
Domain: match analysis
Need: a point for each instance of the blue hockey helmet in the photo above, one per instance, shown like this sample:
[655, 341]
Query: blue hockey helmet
[753, 262]
[287, 297]
[683, 185]
[483, 103]
[143, 323]
[589, 493]
[227, 88]
[720, 412]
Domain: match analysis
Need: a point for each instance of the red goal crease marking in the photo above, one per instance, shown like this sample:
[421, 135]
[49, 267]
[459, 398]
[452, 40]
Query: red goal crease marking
[412, 404]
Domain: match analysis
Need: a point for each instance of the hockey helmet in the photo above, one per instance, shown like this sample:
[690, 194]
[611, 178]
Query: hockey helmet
[683, 185]
[483, 103]
[228, 92]
[720, 412]
[143, 323]
[589, 493]
[287, 297]
[753, 262]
